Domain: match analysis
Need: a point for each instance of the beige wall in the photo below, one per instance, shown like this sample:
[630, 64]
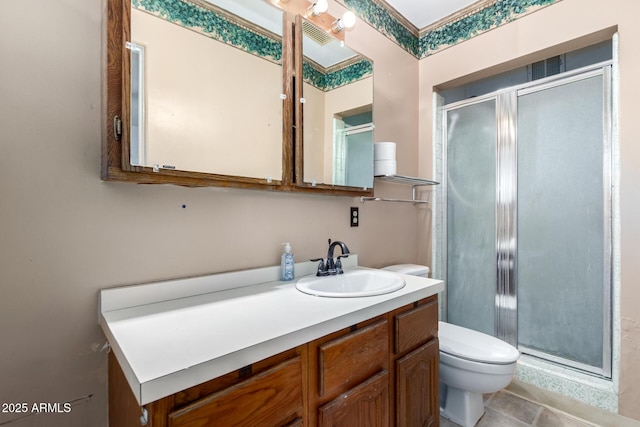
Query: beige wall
[567, 25]
[65, 234]
[314, 137]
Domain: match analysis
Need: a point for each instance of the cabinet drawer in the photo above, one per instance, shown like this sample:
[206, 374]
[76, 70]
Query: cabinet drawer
[352, 358]
[415, 326]
[366, 405]
[271, 398]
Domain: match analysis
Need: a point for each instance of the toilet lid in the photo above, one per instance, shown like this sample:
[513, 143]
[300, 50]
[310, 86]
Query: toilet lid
[473, 345]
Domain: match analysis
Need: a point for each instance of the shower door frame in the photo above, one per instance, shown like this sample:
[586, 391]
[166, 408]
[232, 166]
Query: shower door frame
[506, 317]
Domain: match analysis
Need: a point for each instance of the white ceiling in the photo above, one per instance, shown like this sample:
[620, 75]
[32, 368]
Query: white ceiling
[421, 13]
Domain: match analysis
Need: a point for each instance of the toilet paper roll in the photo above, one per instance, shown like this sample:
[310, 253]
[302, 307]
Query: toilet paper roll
[384, 151]
[384, 167]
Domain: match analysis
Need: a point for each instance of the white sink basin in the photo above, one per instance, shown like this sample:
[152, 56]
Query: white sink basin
[353, 283]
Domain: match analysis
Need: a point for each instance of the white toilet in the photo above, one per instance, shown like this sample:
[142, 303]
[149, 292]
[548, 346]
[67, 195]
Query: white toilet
[471, 364]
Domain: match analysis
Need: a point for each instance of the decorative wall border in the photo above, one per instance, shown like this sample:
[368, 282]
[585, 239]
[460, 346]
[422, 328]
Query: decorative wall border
[384, 18]
[477, 21]
[215, 23]
[342, 74]
[469, 22]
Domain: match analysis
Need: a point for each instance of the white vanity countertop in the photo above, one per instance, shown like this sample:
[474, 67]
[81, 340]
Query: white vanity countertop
[167, 340]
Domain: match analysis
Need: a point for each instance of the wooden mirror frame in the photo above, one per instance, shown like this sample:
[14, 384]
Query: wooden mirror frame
[115, 140]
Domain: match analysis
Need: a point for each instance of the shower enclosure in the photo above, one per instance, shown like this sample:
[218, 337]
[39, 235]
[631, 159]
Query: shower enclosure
[527, 217]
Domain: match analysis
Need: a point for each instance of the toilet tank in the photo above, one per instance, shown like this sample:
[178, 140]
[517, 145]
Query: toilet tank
[410, 269]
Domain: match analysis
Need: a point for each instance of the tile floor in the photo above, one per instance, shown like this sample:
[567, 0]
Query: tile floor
[589, 415]
[504, 409]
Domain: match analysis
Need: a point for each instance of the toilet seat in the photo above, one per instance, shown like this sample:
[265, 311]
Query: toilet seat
[473, 346]
[476, 367]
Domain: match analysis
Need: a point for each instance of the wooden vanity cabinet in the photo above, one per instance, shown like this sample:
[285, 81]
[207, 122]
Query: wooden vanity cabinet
[273, 398]
[349, 378]
[415, 358]
[378, 373]
[268, 393]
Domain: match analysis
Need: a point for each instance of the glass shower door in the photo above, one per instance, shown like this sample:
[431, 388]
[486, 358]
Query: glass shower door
[471, 215]
[562, 271]
[528, 217]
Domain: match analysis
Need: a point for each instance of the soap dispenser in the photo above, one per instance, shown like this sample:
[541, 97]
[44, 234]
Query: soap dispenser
[286, 265]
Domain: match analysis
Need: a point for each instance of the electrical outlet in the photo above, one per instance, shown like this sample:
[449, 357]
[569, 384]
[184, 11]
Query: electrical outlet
[355, 217]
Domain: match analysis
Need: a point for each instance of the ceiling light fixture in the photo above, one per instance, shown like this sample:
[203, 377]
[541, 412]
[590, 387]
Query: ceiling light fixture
[318, 8]
[347, 21]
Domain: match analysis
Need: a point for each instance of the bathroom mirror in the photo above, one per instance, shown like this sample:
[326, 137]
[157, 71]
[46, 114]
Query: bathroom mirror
[336, 106]
[205, 93]
[206, 85]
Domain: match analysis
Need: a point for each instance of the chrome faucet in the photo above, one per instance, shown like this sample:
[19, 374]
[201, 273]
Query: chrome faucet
[331, 267]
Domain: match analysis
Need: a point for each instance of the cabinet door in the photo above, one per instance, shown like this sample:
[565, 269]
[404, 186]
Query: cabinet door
[417, 387]
[272, 398]
[366, 405]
